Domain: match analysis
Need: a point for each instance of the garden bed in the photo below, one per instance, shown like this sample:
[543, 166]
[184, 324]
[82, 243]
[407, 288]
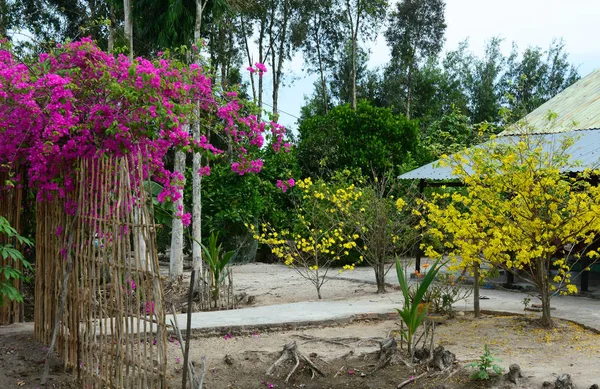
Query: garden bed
[348, 353]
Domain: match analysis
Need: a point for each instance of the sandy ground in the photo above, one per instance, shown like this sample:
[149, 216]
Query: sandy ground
[347, 351]
[541, 354]
[278, 284]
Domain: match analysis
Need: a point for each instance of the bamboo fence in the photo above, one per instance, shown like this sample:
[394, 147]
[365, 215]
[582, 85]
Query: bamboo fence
[208, 300]
[11, 198]
[112, 331]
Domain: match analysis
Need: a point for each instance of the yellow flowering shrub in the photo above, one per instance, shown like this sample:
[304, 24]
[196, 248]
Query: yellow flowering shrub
[320, 237]
[517, 212]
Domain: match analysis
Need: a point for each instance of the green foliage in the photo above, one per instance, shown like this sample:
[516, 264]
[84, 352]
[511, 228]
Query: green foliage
[536, 77]
[486, 361]
[447, 290]
[229, 201]
[452, 133]
[415, 33]
[217, 260]
[8, 251]
[384, 230]
[412, 314]
[366, 138]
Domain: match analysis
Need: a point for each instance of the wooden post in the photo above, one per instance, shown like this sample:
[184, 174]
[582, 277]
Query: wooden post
[418, 251]
[476, 308]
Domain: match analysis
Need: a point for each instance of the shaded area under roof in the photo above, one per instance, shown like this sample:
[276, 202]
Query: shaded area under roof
[576, 107]
[585, 150]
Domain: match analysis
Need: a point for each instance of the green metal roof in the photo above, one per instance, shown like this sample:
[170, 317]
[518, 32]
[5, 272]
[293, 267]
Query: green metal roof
[576, 108]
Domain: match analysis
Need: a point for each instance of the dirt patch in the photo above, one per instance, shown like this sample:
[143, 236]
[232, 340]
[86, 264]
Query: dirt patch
[278, 284]
[22, 362]
[268, 284]
[348, 353]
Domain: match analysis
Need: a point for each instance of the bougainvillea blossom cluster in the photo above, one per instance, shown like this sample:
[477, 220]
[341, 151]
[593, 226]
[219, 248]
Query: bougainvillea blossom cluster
[78, 102]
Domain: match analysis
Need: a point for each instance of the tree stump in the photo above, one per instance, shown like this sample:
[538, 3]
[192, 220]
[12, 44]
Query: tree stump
[290, 353]
[388, 354]
[514, 373]
[442, 359]
[563, 381]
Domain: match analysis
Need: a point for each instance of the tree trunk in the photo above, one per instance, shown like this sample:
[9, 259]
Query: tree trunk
[197, 208]
[94, 30]
[277, 70]
[409, 92]
[321, 73]
[261, 37]
[196, 164]
[128, 26]
[176, 259]
[247, 47]
[545, 293]
[476, 309]
[380, 277]
[353, 76]
[111, 29]
[354, 48]
[3, 27]
[318, 285]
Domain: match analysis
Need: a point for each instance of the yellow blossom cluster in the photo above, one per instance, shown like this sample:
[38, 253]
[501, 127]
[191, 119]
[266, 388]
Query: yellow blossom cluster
[319, 236]
[517, 211]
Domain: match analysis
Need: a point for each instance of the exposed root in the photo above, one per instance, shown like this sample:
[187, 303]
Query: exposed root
[389, 354]
[410, 380]
[290, 353]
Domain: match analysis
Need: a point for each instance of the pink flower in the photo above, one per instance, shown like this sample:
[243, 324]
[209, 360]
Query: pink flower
[59, 230]
[250, 69]
[177, 360]
[204, 170]
[291, 182]
[186, 218]
[261, 67]
[149, 307]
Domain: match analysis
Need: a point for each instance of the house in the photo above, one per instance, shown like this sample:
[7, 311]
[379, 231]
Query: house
[574, 113]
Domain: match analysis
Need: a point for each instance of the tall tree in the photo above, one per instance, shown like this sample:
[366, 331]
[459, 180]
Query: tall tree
[48, 21]
[256, 16]
[536, 76]
[368, 138]
[279, 44]
[3, 18]
[415, 33]
[360, 19]
[485, 84]
[314, 30]
[128, 26]
[348, 74]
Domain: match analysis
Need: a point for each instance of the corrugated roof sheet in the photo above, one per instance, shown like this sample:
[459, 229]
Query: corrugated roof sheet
[585, 150]
[577, 108]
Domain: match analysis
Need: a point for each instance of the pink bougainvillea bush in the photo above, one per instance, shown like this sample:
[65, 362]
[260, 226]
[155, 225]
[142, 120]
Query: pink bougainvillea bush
[80, 102]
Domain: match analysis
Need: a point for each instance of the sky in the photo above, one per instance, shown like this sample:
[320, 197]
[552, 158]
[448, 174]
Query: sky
[526, 22]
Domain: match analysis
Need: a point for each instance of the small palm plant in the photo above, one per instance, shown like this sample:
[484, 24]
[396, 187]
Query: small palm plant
[217, 261]
[411, 313]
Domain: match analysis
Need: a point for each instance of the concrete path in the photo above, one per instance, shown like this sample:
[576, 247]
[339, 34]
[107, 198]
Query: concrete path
[582, 310]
